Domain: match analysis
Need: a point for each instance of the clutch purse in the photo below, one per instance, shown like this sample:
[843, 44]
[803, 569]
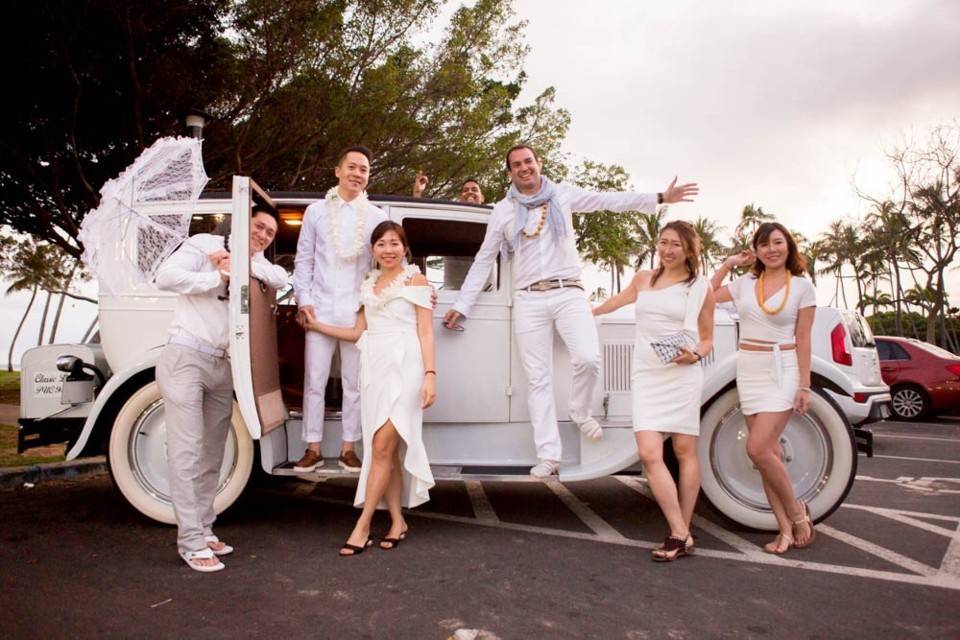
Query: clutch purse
[669, 347]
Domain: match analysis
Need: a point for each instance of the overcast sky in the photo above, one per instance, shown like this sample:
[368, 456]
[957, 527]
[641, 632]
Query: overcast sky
[778, 103]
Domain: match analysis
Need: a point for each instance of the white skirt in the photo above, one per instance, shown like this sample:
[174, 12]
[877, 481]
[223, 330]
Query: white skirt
[666, 397]
[761, 387]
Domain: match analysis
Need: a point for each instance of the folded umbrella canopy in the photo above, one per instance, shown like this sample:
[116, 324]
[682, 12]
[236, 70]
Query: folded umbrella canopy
[126, 238]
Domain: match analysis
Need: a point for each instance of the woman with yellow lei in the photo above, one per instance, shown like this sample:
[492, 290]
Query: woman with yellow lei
[776, 305]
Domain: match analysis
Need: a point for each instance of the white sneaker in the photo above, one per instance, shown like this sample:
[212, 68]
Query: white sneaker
[591, 429]
[545, 469]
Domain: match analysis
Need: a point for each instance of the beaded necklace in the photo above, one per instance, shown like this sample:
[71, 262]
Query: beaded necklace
[543, 219]
[759, 293]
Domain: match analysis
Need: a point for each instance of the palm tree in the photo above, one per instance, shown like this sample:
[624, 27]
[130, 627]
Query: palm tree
[648, 233]
[890, 231]
[710, 246]
[750, 218]
[28, 269]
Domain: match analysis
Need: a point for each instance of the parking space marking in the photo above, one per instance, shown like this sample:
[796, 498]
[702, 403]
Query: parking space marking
[947, 578]
[742, 545]
[903, 518]
[480, 502]
[911, 459]
[900, 437]
[926, 484]
[598, 525]
[876, 550]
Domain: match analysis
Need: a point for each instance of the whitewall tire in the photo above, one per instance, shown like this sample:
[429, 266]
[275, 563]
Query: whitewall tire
[820, 455]
[137, 457]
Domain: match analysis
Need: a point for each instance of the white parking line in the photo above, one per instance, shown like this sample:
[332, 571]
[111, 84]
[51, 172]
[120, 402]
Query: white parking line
[598, 525]
[917, 459]
[902, 517]
[918, 514]
[479, 501]
[881, 552]
[935, 438]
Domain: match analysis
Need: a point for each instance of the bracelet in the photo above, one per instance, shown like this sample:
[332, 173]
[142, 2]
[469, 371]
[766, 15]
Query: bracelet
[807, 389]
[430, 371]
[697, 353]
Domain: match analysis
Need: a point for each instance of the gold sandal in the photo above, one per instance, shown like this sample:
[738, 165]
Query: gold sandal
[809, 522]
[774, 547]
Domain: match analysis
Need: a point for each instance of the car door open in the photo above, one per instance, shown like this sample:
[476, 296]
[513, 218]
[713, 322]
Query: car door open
[253, 322]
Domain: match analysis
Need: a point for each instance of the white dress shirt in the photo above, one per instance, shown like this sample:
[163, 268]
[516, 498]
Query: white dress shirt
[200, 313]
[544, 257]
[321, 280]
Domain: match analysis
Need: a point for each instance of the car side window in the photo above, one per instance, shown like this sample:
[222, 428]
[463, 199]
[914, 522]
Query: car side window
[444, 251]
[897, 352]
[883, 350]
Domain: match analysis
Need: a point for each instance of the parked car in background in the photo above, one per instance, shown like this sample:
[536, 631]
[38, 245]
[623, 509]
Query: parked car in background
[924, 379]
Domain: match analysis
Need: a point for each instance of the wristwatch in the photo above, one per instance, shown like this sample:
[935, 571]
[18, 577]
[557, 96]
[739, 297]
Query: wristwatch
[659, 198]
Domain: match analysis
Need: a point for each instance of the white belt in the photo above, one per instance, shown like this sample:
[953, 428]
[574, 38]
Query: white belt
[197, 345]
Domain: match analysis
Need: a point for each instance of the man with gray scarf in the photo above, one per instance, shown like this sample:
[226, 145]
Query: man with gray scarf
[534, 226]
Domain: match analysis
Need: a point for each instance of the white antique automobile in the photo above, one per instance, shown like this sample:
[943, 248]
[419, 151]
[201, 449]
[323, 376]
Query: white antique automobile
[478, 427]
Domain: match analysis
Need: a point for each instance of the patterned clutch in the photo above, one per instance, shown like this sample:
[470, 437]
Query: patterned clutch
[669, 347]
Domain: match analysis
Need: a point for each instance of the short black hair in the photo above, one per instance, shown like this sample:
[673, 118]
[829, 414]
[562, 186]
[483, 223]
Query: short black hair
[474, 180]
[518, 147]
[355, 149]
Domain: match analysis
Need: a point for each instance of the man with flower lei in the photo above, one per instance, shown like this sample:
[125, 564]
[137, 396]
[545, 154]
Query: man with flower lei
[533, 225]
[333, 258]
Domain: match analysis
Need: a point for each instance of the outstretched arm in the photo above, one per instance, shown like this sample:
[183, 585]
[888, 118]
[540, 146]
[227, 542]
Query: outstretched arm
[350, 334]
[625, 297]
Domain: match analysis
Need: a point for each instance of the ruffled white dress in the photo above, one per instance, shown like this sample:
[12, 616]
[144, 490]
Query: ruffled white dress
[666, 397]
[391, 376]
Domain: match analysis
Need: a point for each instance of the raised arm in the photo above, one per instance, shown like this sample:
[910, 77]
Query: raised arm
[182, 271]
[721, 293]
[625, 297]
[584, 201]
[350, 334]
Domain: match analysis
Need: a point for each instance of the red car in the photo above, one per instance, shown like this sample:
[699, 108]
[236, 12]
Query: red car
[923, 378]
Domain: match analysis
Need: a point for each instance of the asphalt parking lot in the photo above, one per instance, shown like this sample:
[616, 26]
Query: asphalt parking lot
[517, 560]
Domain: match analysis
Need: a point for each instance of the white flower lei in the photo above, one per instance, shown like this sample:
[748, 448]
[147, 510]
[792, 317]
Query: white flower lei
[332, 198]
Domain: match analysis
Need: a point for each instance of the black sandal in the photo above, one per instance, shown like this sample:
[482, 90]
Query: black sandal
[673, 548]
[393, 542]
[354, 548]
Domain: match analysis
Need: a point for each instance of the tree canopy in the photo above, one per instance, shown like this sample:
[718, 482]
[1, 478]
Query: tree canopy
[289, 83]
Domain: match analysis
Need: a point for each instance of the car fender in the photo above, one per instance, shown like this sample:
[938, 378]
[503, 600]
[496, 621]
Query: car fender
[830, 376]
[116, 382]
[720, 375]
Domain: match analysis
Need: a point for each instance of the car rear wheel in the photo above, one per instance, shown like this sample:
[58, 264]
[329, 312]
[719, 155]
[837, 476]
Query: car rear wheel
[137, 457]
[910, 403]
[820, 455]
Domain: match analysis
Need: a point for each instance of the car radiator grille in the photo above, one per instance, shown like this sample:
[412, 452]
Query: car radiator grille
[617, 360]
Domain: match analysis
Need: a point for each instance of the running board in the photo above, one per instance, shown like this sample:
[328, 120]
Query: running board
[331, 469]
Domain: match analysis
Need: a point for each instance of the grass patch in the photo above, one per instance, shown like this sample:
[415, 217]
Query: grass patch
[10, 387]
[10, 458]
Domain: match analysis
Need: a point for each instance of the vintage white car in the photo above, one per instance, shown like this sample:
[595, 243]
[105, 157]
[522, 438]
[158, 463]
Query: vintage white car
[105, 400]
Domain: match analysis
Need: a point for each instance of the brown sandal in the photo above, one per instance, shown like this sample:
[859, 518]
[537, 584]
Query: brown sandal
[809, 522]
[673, 548]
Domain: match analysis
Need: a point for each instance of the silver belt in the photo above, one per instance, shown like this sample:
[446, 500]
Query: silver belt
[557, 283]
[197, 345]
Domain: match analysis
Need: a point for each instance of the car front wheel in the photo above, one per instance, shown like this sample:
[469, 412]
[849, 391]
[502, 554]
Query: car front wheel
[909, 403]
[819, 452]
[137, 457]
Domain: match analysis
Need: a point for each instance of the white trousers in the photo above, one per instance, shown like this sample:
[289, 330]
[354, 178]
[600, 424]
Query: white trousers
[537, 313]
[317, 360]
[197, 391]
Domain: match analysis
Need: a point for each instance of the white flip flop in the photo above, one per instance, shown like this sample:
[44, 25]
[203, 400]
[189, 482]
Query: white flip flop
[227, 549]
[205, 554]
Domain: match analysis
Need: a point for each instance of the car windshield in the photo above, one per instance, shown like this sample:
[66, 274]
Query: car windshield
[934, 349]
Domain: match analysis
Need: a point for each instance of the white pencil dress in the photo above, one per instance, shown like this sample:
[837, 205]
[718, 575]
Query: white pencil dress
[666, 397]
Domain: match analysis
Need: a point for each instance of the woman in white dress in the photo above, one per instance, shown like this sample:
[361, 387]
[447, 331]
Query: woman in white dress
[673, 304]
[394, 332]
[776, 305]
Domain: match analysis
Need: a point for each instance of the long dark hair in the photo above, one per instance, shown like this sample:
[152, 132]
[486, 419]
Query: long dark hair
[796, 264]
[386, 226]
[691, 249]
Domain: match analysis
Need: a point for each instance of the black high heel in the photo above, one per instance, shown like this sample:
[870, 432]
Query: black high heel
[673, 548]
[354, 549]
[393, 542]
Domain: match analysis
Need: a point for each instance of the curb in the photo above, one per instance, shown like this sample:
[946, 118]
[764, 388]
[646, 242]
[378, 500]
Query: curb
[37, 473]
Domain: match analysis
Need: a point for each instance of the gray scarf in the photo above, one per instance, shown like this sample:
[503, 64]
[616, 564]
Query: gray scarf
[547, 193]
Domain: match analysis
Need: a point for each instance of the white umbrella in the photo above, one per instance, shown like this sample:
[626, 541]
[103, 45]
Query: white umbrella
[124, 240]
